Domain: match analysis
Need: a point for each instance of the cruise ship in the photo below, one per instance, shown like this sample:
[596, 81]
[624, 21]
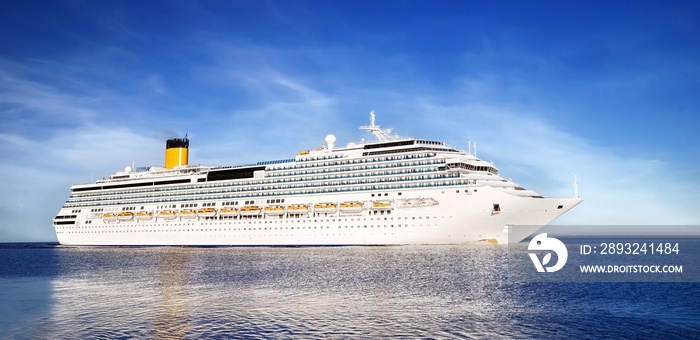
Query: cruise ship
[386, 192]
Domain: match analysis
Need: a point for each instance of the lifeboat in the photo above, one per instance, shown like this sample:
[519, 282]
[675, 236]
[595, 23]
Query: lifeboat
[327, 208]
[417, 202]
[351, 207]
[381, 205]
[228, 212]
[206, 212]
[144, 215]
[167, 214]
[94, 215]
[109, 217]
[298, 209]
[250, 210]
[125, 216]
[188, 213]
[274, 210]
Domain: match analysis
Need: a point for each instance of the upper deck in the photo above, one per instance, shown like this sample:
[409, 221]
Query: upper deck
[389, 151]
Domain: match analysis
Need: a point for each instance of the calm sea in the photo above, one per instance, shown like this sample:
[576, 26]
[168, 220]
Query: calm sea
[52, 292]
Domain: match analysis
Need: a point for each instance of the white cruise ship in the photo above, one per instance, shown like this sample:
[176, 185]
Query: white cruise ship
[392, 191]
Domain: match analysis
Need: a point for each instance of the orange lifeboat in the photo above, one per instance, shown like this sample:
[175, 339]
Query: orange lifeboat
[206, 212]
[352, 207]
[274, 210]
[228, 212]
[325, 208]
[125, 216]
[250, 210]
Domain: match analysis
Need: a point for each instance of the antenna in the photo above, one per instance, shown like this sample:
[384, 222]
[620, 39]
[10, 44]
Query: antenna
[575, 187]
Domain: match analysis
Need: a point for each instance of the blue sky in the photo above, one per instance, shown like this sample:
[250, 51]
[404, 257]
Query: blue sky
[606, 91]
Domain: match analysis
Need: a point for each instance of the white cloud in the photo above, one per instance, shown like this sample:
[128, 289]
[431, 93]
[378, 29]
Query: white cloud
[617, 188]
[26, 98]
[37, 175]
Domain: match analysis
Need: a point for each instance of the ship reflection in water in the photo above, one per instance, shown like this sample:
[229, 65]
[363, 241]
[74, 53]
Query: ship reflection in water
[325, 292]
[171, 316]
[280, 292]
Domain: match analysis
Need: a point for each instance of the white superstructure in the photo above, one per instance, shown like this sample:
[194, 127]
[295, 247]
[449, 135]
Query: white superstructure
[392, 191]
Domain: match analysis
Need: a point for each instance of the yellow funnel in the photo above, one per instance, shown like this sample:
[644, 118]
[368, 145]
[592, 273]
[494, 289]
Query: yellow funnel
[176, 152]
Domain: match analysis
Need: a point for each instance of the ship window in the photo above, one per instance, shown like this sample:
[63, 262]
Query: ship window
[496, 207]
[560, 207]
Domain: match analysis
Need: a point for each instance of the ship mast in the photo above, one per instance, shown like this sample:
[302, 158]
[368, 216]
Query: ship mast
[382, 135]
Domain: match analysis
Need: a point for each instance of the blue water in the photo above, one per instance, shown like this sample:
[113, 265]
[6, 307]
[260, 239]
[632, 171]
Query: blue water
[53, 292]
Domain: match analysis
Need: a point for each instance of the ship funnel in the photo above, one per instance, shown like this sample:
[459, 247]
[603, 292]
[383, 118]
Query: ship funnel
[176, 152]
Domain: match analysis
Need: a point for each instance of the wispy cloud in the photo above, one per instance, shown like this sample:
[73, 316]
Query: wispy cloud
[617, 188]
[252, 82]
[37, 174]
[28, 100]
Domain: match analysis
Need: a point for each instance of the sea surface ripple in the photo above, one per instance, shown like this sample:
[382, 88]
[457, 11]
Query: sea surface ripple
[56, 292]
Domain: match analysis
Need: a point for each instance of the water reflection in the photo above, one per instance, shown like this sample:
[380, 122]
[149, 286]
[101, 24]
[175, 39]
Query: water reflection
[171, 316]
[272, 292]
[366, 292]
[26, 272]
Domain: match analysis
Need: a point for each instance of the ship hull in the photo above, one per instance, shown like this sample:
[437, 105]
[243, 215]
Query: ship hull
[457, 215]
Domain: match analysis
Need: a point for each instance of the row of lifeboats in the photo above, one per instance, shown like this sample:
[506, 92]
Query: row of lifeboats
[353, 207]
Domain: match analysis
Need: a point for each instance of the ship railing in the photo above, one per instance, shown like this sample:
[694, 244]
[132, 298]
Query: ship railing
[255, 185]
[286, 193]
[270, 185]
[443, 180]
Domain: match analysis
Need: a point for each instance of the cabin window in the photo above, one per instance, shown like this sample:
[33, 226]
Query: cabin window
[496, 207]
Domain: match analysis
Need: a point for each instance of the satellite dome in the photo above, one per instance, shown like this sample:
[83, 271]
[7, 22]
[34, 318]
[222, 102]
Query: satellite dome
[330, 142]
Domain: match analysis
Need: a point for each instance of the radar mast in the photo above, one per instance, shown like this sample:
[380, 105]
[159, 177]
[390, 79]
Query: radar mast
[382, 135]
